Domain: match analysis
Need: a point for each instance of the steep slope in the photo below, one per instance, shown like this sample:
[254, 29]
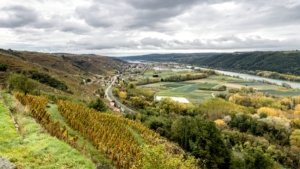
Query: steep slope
[30, 146]
[70, 69]
[68, 63]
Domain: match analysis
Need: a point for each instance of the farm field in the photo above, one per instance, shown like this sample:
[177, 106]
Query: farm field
[164, 73]
[197, 91]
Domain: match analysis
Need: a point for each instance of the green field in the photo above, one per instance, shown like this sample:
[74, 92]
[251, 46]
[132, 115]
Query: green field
[192, 89]
[163, 73]
[189, 90]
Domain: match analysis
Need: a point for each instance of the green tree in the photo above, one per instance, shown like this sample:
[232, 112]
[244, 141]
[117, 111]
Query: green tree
[254, 157]
[201, 137]
[98, 105]
[156, 157]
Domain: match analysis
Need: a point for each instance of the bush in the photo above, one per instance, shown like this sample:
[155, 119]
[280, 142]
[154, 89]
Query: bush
[254, 157]
[295, 138]
[204, 141]
[21, 83]
[272, 128]
[159, 124]
[46, 79]
[98, 105]
[3, 67]
[157, 157]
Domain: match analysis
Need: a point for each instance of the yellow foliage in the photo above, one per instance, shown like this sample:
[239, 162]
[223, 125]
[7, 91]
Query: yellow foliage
[286, 101]
[296, 122]
[254, 100]
[297, 113]
[270, 111]
[220, 123]
[297, 110]
[295, 138]
[296, 100]
[122, 95]
[297, 107]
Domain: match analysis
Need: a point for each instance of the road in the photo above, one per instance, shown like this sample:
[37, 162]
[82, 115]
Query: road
[109, 95]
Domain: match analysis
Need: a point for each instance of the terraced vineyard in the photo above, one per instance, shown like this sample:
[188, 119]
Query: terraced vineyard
[127, 143]
[121, 139]
[30, 146]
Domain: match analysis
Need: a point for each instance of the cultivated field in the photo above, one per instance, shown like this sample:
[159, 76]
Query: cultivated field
[199, 90]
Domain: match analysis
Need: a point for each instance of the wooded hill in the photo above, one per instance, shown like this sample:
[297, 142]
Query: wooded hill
[278, 61]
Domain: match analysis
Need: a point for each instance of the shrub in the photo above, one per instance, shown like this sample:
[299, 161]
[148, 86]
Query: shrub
[46, 79]
[98, 105]
[21, 83]
[270, 111]
[157, 157]
[295, 138]
[3, 67]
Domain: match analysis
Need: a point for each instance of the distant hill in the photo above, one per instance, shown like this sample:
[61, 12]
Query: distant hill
[174, 57]
[279, 61]
[70, 63]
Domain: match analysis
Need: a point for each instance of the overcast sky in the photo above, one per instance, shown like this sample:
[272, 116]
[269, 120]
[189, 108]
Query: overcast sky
[125, 27]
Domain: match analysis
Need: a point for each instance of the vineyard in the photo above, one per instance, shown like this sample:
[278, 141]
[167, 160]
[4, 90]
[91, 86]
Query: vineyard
[122, 140]
[109, 133]
[37, 107]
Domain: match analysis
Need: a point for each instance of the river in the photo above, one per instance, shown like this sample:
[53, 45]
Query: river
[294, 85]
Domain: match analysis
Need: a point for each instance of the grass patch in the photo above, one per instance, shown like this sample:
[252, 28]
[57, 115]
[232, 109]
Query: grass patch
[136, 136]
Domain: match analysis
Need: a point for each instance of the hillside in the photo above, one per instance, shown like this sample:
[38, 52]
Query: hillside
[47, 120]
[69, 69]
[282, 62]
[70, 63]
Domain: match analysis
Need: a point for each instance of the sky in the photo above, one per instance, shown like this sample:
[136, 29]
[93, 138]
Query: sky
[132, 27]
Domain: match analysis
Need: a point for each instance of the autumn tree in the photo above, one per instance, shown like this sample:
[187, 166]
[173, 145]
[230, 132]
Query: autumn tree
[295, 138]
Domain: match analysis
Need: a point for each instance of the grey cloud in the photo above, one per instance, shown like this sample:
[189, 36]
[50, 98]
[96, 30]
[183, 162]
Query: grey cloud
[216, 43]
[282, 15]
[153, 24]
[159, 4]
[135, 13]
[74, 29]
[17, 16]
[230, 42]
[95, 16]
[20, 16]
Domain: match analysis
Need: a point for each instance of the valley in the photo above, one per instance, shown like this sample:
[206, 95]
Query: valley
[149, 84]
[143, 115]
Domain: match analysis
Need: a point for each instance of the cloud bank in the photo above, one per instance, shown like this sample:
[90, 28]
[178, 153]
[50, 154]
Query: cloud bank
[134, 26]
